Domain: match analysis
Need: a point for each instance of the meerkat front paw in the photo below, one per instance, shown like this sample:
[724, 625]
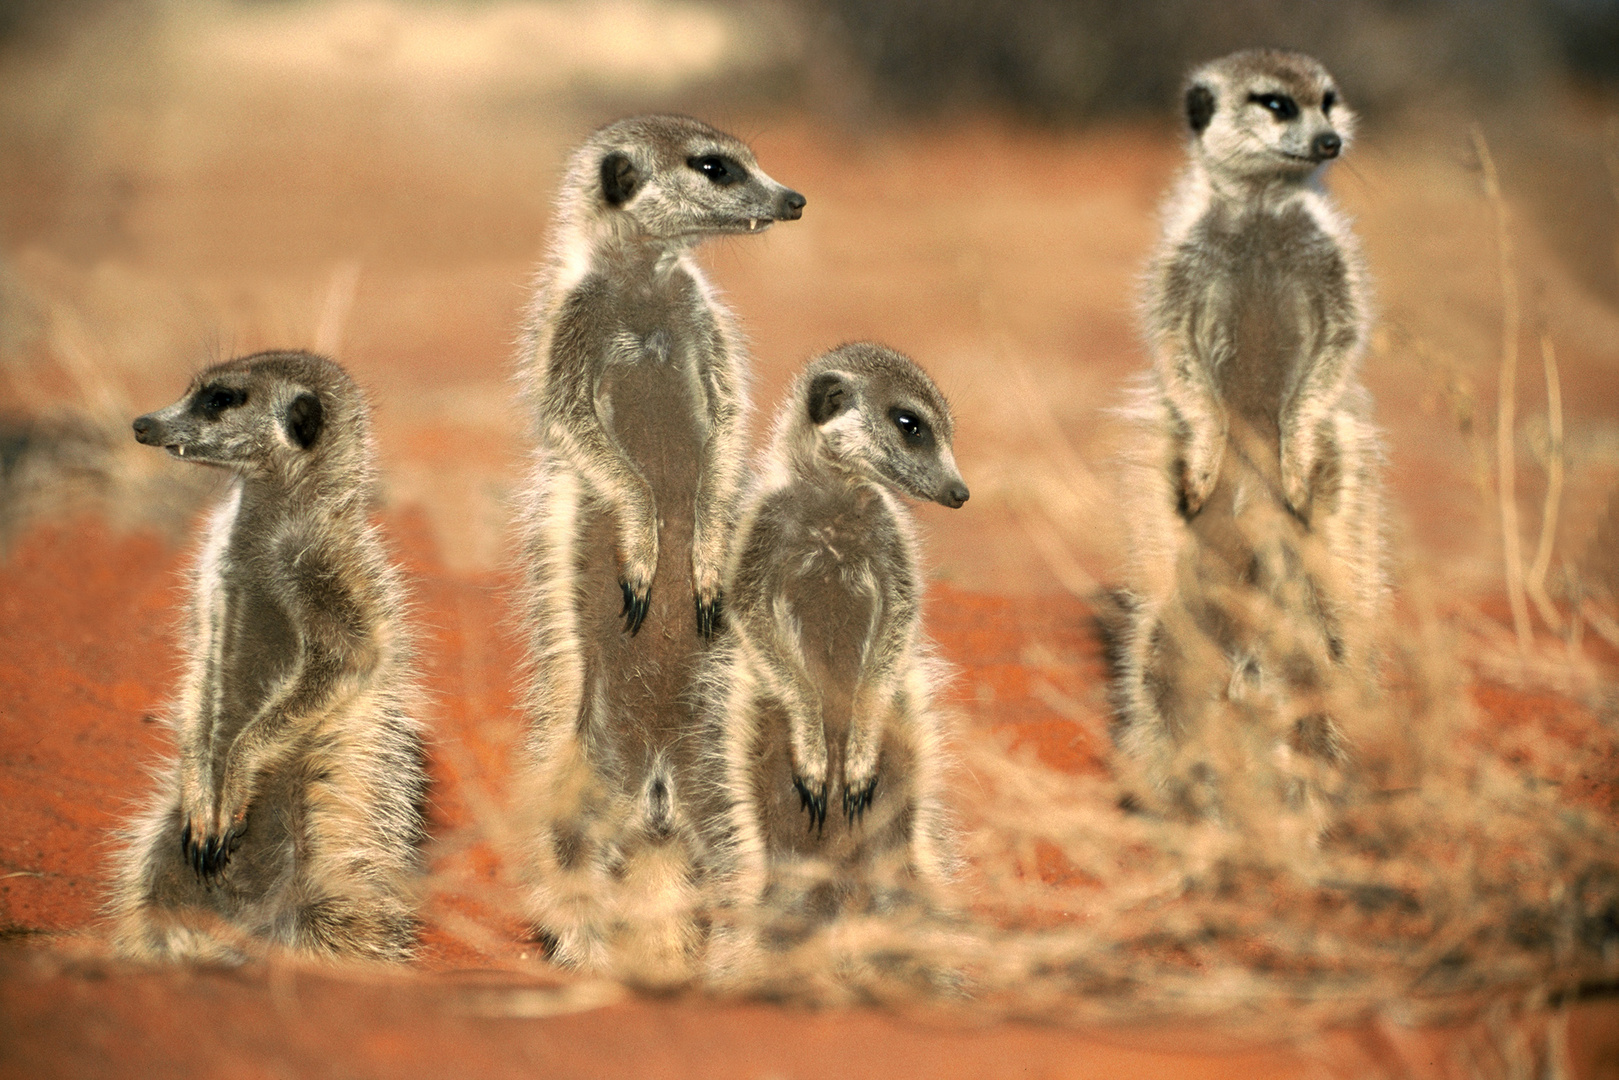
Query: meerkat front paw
[710, 615]
[707, 557]
[857, 796]
[1296, 486]
[1196, 485]
[638, 561]
[206, 842]
[810, 768]
[636, 604]
[1197, 466]
[861, 754]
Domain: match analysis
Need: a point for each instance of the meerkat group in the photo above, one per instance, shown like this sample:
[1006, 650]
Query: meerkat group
[730, 700]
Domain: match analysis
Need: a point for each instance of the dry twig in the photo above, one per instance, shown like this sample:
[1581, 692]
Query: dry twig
[1506, 420]
[1554, 488]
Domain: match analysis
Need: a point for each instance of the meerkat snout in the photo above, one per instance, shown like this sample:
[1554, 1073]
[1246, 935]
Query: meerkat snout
[146, 431]
[955, 496]
[790, 207]
[1326, 145]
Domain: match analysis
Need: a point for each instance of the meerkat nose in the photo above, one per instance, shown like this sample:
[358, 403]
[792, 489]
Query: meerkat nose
[143, 429]
[792, 206]
[955, 496]
[1326, 145]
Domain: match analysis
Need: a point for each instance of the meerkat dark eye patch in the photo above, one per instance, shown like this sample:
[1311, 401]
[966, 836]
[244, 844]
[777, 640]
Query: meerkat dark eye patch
[1280, 106]
[214, 399]
[305, 419]
[620, 179]
[1199, 107]
[718, 168]
[1328, 100]
[828, 396]
[914, 429]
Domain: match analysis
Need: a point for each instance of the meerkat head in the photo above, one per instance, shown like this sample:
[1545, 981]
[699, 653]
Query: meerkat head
[675, 179]
[867, 410]
[1266, 112]
[270, 413]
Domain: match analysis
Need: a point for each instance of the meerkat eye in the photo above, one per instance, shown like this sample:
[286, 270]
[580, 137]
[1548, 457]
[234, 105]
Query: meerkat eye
[911, 426]
[213, 400]
[719, 169]
[1280, 106]
[1328, 100]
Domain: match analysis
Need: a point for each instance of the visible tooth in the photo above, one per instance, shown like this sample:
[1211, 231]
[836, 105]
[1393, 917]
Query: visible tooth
[753, 223]
[182, 451]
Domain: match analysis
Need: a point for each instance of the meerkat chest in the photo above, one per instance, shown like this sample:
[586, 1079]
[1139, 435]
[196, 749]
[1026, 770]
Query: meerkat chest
[653, 391]
[250, 644]
[845, 555]
[660, 320]
[1267, 283]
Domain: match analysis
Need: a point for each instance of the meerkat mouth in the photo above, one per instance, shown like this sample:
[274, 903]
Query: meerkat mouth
[177, 449]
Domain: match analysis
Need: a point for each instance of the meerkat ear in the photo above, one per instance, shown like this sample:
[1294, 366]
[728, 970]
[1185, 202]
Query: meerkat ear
[620, 178]
[828, 396]
[1199, 106]
[305, 418]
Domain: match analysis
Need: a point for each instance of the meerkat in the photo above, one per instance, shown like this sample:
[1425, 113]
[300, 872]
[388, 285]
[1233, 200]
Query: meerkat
[1259, 543]
[294, 812]
[636, 375]
[827, 744]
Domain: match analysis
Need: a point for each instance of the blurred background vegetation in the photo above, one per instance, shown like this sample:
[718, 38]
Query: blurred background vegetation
[1067, 61]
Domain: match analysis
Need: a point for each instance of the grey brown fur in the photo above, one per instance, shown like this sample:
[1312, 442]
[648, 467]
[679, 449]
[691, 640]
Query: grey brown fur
[636, 375]
[1258, 540]
[294, 812]
[826, 741]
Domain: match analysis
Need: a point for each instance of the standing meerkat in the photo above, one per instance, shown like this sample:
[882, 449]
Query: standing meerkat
[826, 741]
[294, 812]
[636, 375]
[1259, 543]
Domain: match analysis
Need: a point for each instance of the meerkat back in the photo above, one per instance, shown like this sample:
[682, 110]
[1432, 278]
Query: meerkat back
[1257, 512]
[293, 814]
[636, 376]
[827, 740]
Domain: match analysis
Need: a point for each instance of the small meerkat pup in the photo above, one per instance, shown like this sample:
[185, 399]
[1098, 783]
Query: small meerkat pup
[636, 375]
[294, 812]
[826, 743]
[1259, 537]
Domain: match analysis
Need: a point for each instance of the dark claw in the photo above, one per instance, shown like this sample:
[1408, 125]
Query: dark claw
[710, 617]
[1183, 506]
[226, 846]
[209, 856]
[813, 801]
[189, 849]
[855, 802]
[635, 608]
